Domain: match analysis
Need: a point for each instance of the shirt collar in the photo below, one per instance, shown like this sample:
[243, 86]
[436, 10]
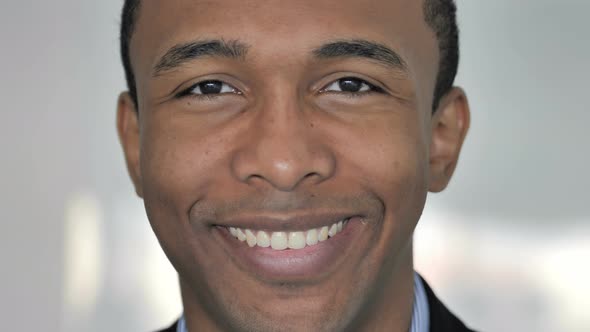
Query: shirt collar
[420, 311]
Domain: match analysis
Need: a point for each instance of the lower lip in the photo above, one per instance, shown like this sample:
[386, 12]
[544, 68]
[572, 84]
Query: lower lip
[309, 263]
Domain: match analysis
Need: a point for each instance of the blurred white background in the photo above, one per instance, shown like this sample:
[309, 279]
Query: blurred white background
[507, 246]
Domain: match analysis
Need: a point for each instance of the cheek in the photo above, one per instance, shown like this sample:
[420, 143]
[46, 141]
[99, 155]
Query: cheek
[179, 159]
[390, 158]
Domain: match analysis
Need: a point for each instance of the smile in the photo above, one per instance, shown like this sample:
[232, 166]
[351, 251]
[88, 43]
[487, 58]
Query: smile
[288, 240]
[311, 249]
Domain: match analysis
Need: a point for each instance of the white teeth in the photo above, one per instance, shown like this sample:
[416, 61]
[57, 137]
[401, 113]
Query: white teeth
[279, 240]
[296, 240]
[323, 234]
[241, 236]
[311, 237]
[250, 238]
[333, 230]
[292, 240]
[262, 239]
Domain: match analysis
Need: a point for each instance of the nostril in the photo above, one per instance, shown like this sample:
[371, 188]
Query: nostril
[311, 175]
[254, 178]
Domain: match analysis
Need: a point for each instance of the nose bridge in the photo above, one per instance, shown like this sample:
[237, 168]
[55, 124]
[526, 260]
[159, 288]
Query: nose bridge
[283, 150]
[282, 120]
[282, 137]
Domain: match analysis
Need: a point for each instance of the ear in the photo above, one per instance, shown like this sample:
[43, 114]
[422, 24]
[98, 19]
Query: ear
[128, 129]
[449, 126]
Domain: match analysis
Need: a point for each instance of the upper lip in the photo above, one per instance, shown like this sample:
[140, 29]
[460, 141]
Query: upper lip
[284, 223]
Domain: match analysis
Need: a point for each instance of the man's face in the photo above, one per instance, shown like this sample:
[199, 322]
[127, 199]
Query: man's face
[281, 119]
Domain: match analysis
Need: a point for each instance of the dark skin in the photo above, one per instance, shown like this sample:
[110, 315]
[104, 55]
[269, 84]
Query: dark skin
[274, 134]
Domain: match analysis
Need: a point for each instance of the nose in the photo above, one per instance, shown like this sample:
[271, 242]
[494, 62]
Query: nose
[282, 149]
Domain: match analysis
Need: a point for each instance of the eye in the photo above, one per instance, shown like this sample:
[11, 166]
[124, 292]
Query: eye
[351, 85]
[209, 88]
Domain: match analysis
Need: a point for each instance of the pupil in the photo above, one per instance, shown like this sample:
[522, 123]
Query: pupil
[350, 84]
[210, 87]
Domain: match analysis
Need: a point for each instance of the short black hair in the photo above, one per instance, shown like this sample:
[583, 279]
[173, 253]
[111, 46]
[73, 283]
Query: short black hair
[128, 20]
[440, 15]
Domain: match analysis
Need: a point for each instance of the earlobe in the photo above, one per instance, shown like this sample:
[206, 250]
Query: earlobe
[449, 126]
[128, 130]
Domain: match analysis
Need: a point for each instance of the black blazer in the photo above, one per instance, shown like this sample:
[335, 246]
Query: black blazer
[441, 319]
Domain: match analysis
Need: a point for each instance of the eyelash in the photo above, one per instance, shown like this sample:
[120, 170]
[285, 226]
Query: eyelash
[188, 93]
[372, 88]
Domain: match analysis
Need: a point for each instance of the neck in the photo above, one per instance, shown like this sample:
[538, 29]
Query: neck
[197, 319]
[391, 305]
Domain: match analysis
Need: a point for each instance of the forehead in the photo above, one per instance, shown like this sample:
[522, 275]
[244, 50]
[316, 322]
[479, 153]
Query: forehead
[278, 29]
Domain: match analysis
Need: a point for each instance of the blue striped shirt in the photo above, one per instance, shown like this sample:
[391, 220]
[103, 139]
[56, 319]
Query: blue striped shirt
[420, 313]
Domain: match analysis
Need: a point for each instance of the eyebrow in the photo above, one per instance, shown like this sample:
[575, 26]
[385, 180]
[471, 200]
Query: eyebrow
[234, 49]
[183, 53]
[360, 48]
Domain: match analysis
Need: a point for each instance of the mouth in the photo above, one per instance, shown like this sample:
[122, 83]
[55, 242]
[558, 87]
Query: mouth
[295, 240]
[297, 254]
